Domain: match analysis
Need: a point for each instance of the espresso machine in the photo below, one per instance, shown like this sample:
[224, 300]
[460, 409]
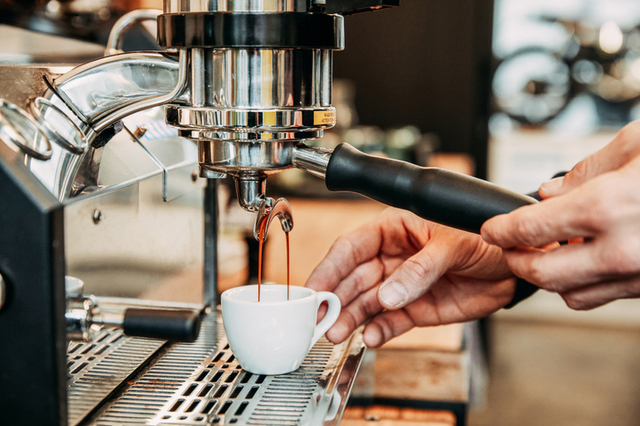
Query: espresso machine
[108, 180]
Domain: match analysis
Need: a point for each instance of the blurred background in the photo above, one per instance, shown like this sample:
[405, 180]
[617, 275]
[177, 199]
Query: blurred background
[510, 90]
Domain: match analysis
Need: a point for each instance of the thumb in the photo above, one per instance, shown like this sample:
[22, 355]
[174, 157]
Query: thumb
[411, 280]
[618, 152]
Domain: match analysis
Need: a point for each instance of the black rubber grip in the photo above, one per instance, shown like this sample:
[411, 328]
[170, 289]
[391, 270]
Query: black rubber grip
[176, 325]
[439, 195]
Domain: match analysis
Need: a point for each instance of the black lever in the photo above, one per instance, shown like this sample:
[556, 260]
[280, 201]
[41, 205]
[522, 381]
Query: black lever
[176, 325]
[439, 195]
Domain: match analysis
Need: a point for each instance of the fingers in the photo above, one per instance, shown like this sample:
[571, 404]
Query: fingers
[600, 294]
[417, 274]
[447, 302]
[408, 282]
[344, 256]
[560, 269]
[364, 277]
[537, 225]
[624, 147]
[386, 326]
[353, 315]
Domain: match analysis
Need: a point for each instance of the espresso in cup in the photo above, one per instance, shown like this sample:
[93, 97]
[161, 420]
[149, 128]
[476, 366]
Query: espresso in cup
[275, 335]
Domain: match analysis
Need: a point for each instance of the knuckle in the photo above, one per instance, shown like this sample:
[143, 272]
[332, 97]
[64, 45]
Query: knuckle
[539, 276]
[575, 302]
[340, 247]
[579, 172]
[365, 278]
[600, 212]
[527, 231]
[622, 258]
[629, 135]
[418, 270]
[627, 142]
[363, 313]
[351, 321]
[345, 247]
[386, 328]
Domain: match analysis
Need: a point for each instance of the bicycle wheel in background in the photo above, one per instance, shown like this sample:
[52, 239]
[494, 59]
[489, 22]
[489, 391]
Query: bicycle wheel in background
[533, 85]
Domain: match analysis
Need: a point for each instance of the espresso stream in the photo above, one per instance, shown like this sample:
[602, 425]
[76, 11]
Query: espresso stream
[261, 238]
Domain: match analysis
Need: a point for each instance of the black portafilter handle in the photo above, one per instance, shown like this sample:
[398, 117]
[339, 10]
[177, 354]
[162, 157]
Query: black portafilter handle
[438, 195]
[175, 325]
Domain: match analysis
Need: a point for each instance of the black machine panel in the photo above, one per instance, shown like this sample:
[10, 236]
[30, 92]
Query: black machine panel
[426, 63]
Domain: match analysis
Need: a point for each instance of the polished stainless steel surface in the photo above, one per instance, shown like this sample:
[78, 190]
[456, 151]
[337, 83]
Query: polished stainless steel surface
[109, 319]
[84, 318]
[311, 159]
[251, 190]
[198, 83]
[180, 6]
[249, 120]
[79, 316]
[244, 99]
[21, 129]
[134, 219]
[202, 383]
[268, 78]
[228, 156]
[108, 117]
[99, 88]
[268, 95]
[58, 126]
[245, 107]
[270, 210]
[84, 100]
[148, 240]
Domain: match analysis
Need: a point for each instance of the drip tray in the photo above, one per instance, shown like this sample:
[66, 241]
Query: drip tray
[119, 380]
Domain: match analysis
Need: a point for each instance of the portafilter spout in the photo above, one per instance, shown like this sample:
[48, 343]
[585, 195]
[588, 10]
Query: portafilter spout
[438, 195]
[250, 188]
[269, 210]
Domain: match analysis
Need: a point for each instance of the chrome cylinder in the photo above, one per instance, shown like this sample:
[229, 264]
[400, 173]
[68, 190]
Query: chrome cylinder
[182, 6]
[251, 189]
[314, 160]
[268, 78]
[250, 106]
[253, 95]
[257, 91]
[237, 157]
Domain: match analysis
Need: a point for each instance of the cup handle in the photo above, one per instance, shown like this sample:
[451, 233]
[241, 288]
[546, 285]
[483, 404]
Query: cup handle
[331, 316]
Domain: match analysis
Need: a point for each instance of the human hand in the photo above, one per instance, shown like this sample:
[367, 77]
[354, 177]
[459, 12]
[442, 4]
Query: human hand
[401, 271]
[596, 207]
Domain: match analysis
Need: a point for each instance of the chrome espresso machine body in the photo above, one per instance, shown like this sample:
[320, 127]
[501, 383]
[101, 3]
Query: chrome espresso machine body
[99, 184]
[100, 189]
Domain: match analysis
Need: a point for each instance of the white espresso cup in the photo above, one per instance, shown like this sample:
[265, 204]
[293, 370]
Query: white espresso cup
[274, 336]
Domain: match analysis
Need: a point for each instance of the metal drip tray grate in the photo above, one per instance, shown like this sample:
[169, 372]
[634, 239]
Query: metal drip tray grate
[98, 368]
[201, 383]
